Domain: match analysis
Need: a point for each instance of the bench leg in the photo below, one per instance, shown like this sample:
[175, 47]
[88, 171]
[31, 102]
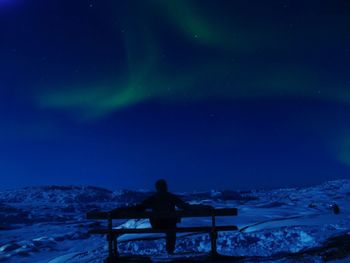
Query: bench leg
[110, 245]
[112, 248]
[213, 238]
[115, 246]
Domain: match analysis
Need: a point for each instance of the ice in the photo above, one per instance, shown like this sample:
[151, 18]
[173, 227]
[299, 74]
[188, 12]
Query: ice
[47, 224]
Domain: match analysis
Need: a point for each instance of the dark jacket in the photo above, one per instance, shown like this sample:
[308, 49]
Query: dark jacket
[163, 202]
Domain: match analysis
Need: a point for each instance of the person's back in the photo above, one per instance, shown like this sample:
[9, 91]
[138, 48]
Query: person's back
[163, 202]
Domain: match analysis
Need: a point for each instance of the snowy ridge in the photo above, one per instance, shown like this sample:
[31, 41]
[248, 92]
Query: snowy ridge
[47, 224]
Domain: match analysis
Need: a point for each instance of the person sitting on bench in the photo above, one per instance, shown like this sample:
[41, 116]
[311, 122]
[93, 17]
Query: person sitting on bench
[164, 201]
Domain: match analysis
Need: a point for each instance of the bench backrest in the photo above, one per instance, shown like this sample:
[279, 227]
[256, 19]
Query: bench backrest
[149, 214]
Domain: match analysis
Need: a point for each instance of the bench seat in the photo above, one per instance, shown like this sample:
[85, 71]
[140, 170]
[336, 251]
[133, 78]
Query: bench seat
[120, 231]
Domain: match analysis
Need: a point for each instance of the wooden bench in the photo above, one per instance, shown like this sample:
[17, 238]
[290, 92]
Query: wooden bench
[113, 233]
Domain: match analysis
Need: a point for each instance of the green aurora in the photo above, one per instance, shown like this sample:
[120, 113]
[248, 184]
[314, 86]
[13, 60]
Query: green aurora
[147, 76]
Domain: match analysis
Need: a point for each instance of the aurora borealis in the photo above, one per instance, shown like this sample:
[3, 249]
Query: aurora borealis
[228, 93]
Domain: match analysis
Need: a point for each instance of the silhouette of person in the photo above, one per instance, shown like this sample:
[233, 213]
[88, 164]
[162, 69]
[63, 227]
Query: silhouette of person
[164, 201]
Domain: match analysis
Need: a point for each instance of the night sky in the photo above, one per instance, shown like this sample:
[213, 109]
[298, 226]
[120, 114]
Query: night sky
[229, 94]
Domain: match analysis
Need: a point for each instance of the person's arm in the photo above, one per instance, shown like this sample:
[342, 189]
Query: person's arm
[180, 203]
[186, 206]
[145, 204]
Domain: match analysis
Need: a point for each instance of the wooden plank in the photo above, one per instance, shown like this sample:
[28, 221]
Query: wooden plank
[149, 214]
[151, 230]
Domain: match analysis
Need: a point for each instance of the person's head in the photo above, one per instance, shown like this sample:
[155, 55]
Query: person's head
[161, 186]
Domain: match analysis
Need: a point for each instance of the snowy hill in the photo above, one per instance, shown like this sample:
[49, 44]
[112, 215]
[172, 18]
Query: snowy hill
[47, 224]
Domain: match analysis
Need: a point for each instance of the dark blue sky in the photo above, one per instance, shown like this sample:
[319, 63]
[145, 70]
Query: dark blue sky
[206, 94]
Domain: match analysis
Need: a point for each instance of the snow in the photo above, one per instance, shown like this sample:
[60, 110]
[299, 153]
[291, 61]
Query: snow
[47, 224]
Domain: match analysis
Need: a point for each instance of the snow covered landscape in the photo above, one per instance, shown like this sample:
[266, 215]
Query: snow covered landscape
[47, 224]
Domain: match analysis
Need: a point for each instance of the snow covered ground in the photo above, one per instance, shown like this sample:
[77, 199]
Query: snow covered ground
[47, 224]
